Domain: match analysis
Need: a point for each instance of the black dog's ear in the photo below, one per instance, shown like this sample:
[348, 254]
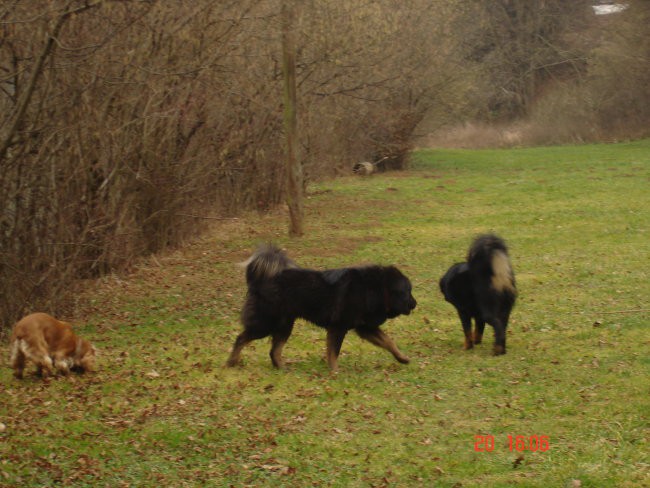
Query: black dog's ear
[378, 290]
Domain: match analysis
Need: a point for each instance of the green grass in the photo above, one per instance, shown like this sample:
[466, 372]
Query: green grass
[162, 411]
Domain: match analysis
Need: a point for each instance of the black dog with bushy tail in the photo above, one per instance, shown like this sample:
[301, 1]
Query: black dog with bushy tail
[483, 288]
[360, 298]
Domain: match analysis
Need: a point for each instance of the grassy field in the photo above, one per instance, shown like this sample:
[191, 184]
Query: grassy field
[162, 410]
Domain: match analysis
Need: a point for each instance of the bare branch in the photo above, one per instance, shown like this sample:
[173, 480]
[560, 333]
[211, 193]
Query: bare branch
[25, 99]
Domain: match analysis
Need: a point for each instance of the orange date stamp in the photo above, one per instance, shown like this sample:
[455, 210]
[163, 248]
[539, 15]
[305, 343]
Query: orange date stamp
[519, 443]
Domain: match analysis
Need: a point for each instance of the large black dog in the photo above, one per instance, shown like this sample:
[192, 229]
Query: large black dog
[483, 288]
[359, 298]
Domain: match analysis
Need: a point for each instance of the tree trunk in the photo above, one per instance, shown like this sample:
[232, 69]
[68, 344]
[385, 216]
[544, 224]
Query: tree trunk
[293, 164]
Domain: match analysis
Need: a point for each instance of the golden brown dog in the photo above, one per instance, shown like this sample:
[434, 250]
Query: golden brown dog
[49, 343]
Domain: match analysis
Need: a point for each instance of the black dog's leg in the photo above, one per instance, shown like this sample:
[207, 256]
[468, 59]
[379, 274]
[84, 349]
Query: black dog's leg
[466, 320]
[478, 331]
[499, 337]
[243, 339]
[279, 339]
[381, 339]
[500, 331]
[334, 341]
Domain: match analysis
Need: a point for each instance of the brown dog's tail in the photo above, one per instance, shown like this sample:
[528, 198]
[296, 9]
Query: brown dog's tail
[266, 262]
[488, 255]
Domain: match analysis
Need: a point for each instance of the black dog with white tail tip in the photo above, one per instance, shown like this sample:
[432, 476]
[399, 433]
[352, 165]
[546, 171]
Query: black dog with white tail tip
[483, 289]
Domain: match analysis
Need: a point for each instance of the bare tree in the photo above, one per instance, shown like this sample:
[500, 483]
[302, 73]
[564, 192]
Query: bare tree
[294, 166]
[618, 87]
[11, 124]
[518, 45]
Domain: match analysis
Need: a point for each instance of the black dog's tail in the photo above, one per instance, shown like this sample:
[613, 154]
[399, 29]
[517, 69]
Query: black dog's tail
[488, 256]
[266, 262]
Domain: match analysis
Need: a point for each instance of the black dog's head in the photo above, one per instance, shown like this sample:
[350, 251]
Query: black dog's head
[445, 281]
[397, 293]
[456, 283]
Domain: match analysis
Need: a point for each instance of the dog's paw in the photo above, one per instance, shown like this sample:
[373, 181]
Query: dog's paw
[499, 350]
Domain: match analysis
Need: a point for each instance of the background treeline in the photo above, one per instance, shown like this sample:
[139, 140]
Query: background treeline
[551, 71]
[123, 124]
